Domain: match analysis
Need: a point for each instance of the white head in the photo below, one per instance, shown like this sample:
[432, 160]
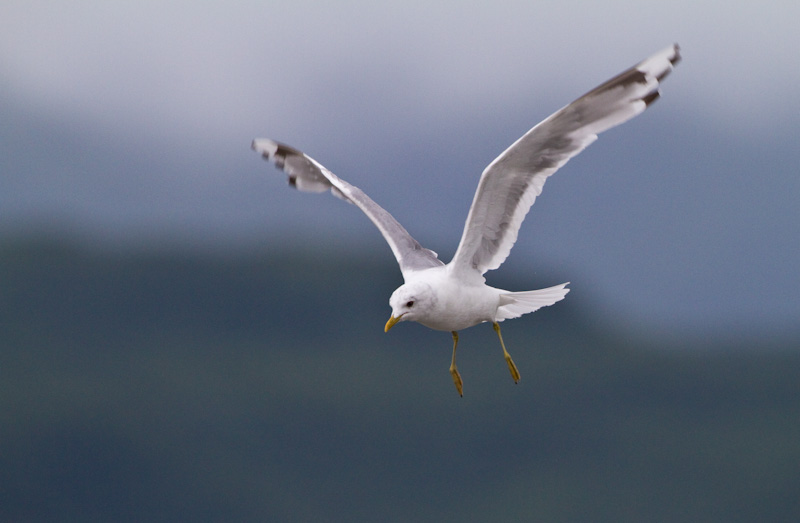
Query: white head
[410, 302]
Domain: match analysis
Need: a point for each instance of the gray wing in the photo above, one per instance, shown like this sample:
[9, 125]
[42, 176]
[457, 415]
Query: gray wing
[511, 183]
[306, 174]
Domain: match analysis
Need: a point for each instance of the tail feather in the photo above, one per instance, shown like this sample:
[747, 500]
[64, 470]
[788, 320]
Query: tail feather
[515, 304]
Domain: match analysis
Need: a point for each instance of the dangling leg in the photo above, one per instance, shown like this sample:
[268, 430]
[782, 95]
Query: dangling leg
[511, 366]
[453, 369]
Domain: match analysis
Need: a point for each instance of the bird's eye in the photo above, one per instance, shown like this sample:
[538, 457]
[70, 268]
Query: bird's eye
[410, 304]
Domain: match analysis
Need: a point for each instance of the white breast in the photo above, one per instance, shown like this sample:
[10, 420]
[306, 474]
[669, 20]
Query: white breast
[459, 305]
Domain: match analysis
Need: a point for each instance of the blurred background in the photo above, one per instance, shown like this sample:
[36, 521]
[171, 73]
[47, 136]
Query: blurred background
[183, 337]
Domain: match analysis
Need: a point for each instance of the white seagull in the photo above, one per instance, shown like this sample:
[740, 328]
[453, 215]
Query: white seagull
[455, 296]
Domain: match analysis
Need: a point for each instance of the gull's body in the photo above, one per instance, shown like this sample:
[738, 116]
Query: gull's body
[444, 301]
[452, 305]
[454, 296]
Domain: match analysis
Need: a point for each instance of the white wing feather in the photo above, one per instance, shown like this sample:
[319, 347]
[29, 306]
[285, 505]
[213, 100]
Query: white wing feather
[510, 184]
[306, 174]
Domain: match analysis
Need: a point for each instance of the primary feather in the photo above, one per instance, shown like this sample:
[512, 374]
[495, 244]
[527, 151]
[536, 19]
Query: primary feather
[510, 184]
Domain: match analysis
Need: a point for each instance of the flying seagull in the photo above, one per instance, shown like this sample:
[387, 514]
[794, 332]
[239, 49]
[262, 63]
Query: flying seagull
[454, 296]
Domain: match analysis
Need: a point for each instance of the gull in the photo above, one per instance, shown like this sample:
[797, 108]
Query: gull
[455, 296]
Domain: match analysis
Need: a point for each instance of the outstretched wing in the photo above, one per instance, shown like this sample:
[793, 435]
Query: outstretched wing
[306, 174]
[511, 183]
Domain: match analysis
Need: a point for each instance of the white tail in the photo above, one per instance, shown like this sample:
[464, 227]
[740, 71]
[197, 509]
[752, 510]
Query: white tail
[515, 304]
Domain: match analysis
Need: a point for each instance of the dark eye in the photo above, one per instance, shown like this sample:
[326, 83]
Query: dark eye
[410, 304]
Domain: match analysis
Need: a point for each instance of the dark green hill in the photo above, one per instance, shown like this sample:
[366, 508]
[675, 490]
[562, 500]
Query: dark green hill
[146, 385]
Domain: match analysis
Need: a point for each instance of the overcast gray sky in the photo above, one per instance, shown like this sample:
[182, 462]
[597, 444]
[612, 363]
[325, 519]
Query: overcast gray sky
[134, 119]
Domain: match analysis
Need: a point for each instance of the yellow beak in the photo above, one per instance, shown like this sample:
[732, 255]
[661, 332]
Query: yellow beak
[391, 322]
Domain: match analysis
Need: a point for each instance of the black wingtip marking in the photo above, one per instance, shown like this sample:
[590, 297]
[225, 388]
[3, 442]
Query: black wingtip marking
[674, 60]
[281, 154]
[284, 150]
[677, 56]
[623, 79]
[293, 181]
[629, 77]
[650, 98]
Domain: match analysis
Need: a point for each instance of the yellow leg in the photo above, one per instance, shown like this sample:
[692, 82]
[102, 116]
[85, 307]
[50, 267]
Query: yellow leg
[511, 367]
[453, 369]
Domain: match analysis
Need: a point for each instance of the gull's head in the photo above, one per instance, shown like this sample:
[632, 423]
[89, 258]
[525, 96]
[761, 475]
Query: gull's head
[410, 302]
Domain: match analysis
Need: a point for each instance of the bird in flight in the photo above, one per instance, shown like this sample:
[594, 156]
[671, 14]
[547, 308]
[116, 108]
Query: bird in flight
[454, 296]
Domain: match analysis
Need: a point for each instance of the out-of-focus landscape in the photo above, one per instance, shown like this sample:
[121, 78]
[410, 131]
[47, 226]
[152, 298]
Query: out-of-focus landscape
[255, 386]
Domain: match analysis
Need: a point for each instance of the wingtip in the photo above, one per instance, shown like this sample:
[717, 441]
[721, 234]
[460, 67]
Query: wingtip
[269, 150]
[660, 65]
[263, 145]
[676, 54]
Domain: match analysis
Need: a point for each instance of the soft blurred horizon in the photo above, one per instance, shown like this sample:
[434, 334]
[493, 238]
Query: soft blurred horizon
[130, 124]
[172, 386]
